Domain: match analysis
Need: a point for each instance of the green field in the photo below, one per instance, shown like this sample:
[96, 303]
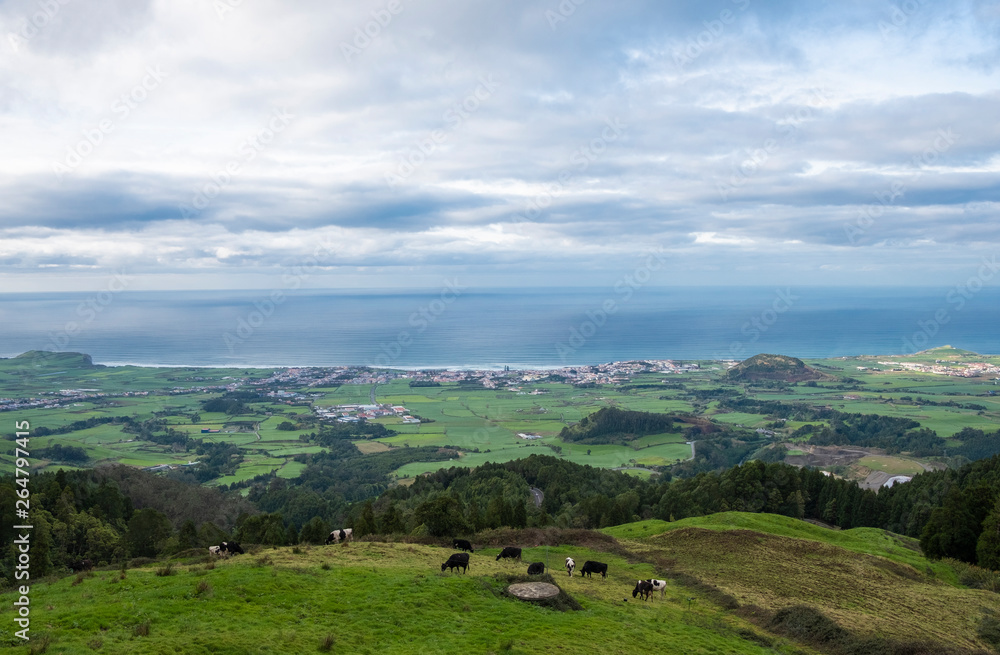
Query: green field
[481, 424]
[891, 465]
[371, 598]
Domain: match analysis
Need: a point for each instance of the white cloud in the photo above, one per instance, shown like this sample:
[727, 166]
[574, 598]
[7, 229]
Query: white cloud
[744, 113]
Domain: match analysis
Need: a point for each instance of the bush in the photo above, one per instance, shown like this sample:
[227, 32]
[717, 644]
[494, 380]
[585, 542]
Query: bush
[976, 577]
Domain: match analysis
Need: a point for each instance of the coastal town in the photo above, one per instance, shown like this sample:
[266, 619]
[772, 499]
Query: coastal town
[291, 385]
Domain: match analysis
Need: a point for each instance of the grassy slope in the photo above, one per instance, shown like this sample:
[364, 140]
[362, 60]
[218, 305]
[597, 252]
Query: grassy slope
[868, 580]
[374, 598]
[382, 597]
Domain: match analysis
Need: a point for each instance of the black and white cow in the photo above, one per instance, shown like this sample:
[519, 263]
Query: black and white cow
[455, 561]
[231, 548]
[536, 568]
[658, 585]
[509, 552]
[461, 544]
[344, 534]
[570, 565]
[643, 588]
[594, 567]
[215, 550]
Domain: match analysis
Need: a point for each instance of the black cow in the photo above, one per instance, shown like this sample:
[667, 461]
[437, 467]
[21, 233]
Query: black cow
[455, 561]
[536, 568]
[594, 567]
[231, 547]
[81, 565]
[509, 552]
[643, 588]
[461, 544]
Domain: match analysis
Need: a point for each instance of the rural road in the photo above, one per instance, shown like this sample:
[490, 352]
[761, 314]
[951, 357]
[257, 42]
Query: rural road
[538, 496]
[371, 394]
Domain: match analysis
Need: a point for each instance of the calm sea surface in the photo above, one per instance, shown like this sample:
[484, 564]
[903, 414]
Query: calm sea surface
[481, 329]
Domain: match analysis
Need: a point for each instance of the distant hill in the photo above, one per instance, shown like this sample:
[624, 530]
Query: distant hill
[38, 358]
[610, 425]
[773, 367]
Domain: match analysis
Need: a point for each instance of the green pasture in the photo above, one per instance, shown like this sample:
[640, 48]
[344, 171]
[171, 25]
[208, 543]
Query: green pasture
[600, 455]
[334, 598]
[741, 418]
[469, 418]
[657, 439]
[291, 469]
[891, 465]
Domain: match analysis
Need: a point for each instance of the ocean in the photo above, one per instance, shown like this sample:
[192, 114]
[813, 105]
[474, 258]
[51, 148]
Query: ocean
[488, 328]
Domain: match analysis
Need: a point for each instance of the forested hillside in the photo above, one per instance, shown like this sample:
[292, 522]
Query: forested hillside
[110, 515]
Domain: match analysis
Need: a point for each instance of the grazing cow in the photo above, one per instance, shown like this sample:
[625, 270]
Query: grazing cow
[536, 568]
[455, 561]
[570, 565]
[215, 550]
[509, 552]
[643, 588]
[344, 534]
[594, 567]
[659, 585]
[461, 544]
[231, 548]
[81, 565]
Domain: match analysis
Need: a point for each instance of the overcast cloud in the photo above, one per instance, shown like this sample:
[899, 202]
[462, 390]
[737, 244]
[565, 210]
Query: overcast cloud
[218, 143]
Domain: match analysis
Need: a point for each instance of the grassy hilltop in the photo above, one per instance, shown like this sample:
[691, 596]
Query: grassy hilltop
[737, 583]
[773, 367]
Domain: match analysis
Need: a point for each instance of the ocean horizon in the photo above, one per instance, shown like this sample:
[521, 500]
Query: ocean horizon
[492, 328]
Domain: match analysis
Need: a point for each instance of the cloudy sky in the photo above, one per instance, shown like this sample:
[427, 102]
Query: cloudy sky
[232, 143]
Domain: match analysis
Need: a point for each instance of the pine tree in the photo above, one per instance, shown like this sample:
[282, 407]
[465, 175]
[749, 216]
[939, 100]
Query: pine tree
[988, 544]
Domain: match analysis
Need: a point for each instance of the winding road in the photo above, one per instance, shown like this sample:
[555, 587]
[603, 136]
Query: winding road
[538, 495]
